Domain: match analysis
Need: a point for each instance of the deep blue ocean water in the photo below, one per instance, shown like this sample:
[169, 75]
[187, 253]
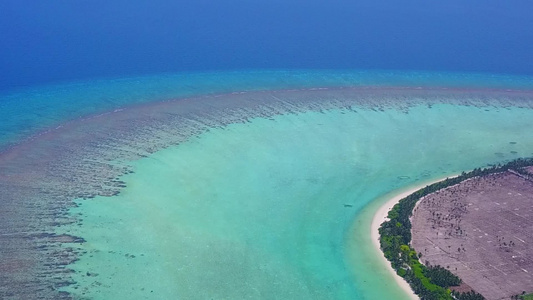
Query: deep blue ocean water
[62, 60]
[60, 40]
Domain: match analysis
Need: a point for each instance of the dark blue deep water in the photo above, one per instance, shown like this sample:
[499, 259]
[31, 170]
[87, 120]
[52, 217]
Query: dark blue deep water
[63, 40]
[277, 189]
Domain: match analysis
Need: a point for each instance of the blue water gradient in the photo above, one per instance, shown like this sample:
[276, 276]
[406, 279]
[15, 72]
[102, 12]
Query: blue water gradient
[61, 40]
[27, 111]
[61, 60]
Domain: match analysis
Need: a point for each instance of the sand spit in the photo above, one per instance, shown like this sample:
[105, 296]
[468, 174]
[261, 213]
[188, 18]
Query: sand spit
[480, 230]
[41, 177]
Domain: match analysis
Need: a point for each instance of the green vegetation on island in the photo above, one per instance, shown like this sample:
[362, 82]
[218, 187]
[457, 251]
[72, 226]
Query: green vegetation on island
[430, 282]
[523, 296]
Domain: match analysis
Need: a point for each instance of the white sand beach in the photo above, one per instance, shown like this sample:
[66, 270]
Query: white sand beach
[381, 216]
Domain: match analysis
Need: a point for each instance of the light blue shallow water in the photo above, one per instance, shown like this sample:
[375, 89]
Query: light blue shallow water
[273, 208]
[27, 111]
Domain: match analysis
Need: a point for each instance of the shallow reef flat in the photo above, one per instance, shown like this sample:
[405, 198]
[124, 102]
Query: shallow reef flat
[257, 191]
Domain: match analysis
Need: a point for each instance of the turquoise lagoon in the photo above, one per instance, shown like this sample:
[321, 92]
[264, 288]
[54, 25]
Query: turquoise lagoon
[277, 207]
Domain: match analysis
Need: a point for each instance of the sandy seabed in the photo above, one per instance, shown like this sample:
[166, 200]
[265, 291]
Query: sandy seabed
[250, 181]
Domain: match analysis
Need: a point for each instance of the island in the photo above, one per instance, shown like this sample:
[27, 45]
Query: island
[466, 237]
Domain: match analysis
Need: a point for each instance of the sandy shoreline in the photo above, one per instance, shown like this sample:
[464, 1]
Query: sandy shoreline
[381, 216]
